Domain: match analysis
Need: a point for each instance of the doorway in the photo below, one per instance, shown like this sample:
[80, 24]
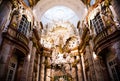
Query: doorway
[15, 66]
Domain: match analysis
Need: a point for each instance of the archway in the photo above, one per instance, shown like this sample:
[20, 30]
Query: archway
[76, 5]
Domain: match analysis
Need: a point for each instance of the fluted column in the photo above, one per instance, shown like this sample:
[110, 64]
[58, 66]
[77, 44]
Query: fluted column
[42, 69]
[31, 64]
[48, 70]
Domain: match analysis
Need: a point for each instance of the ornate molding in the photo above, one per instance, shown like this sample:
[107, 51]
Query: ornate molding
[105, 39]
[18, 38]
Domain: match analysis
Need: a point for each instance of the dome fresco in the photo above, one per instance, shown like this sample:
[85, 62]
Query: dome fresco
[60, 13]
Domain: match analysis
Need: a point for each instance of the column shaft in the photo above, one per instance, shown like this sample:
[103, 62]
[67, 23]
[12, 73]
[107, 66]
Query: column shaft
[26, 63]
[42, 69]
[74, 71]
[82, 58]
[38, 67]
[48, 70]
[79, 72]
[30, 76]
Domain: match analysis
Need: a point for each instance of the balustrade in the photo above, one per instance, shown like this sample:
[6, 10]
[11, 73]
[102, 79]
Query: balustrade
[18, 36]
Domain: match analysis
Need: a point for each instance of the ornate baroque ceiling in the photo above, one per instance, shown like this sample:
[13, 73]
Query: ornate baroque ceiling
[69, 10]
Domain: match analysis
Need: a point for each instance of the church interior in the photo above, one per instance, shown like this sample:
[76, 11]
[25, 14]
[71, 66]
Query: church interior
[59, 40]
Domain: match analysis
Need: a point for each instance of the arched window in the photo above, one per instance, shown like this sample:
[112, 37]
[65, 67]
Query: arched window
[92, 2]
[24, 25]
[97, 23]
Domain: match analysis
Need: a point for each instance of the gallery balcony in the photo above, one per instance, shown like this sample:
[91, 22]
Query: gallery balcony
[17, 37]
[108, 36]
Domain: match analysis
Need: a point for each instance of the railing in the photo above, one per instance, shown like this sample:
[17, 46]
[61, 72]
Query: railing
[101, 36]
[13, 32]
[107, 34]
[22, 38]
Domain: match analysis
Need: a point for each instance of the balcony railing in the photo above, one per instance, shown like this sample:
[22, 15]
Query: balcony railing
[22, 38]
[102, 38]
[18, 36]
[99, 37]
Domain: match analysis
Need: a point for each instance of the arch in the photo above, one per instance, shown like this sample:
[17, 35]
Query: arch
[60, 14]
[76, 5]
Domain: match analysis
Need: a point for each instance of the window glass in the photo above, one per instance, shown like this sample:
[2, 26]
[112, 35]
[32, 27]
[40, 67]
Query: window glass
[115, 70]
[24, 25]
[92, 2]
[97, 23]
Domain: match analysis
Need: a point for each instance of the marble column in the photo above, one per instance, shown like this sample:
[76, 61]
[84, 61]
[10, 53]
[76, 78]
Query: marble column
[90, 73]
[91, 60]
[39, 78]
[38, 67]
[116, 46]
[68, 68]
[30, 73]
[48, 70]
[25, 67]
[74, 70]
[42, 69]
[90, 64]
[82, 59]
[79, 72]
[5, 13]
[116, 19]
[27, 63]
[74, 74]
[52, 74]
[113, 12]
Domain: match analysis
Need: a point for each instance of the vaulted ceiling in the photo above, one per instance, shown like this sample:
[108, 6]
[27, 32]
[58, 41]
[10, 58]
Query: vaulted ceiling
[68, 12]
[76, 5]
